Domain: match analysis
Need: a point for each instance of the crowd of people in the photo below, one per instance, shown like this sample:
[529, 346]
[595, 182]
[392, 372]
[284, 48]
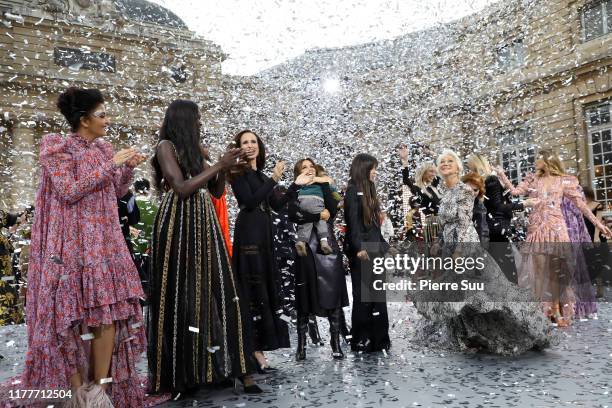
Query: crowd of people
[102, 249]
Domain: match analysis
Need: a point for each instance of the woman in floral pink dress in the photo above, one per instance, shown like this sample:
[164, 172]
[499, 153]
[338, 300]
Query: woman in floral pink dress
[85, 325]
[546, 264]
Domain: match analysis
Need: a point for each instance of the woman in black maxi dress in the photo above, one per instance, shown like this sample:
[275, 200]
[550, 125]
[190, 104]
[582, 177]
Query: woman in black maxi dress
[253, 249]
[196, 321]
[363, 242]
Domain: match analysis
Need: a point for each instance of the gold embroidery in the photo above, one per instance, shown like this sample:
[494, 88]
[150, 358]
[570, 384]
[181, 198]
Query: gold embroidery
[236, 300]
[198, 289]
[209, 265]
[162, 298]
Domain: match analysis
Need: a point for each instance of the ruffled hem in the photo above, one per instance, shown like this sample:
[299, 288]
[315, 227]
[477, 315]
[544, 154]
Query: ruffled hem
[59, 323]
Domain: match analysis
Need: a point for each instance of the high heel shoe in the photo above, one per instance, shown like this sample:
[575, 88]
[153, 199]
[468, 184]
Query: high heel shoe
[560, 320]
[248, 389]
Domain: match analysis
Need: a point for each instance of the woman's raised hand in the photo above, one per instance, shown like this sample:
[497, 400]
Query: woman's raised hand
[606, 231]
[136, 160]
[123, 155]
[304, 180]
[278, 170]
[230, 157]
[403, 154]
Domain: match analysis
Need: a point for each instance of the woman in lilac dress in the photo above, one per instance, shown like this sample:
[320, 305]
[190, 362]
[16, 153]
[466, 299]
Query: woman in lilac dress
[85, 325]
[585, 304]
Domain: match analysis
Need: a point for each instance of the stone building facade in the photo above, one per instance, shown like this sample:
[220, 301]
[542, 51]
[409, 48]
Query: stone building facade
[517, 77]
[139, 54]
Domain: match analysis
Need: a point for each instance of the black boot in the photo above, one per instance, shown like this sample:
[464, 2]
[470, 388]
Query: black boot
[302, 326]
[313, 331]
[335, 318]
[345, 330]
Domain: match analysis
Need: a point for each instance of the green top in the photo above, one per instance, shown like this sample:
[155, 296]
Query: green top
[148, 210]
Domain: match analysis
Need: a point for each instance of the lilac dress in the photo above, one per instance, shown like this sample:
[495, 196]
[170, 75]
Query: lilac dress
[581, 281]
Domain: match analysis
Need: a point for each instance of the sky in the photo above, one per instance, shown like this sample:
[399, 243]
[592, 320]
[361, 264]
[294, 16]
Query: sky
[258, 34]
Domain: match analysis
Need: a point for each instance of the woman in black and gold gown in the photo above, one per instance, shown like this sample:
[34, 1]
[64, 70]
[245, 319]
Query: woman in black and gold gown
[196, 321]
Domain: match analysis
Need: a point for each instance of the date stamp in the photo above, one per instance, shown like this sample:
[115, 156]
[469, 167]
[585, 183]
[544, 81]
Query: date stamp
[40, 394]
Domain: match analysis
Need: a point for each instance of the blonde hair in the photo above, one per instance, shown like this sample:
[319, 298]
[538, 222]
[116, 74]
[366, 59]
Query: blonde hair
[420, 173]
[449, 152]
[480, 164]
[553, 162]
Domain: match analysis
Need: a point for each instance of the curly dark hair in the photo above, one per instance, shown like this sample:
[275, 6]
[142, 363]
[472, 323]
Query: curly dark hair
[74, 103]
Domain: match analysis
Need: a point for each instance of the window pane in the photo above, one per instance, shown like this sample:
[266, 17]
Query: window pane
[605, 136]
[604, 113]
[593, 22]
[595, 137]
[608, 158]
[594, 117]
[601, 196]
[599, 182]
[596, 148]
[597, 159]
[609, 9]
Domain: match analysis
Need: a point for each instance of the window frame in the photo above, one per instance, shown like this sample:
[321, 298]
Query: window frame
[590, 130]
[514, 148]
[603, 4]
[511, 46]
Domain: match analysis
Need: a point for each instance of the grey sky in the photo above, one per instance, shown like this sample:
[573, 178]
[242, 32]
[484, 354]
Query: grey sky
[258, 34]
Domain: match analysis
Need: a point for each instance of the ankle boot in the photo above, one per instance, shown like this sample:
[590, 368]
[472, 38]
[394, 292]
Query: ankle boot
[313, 331]
[334, 333]
[302, 327]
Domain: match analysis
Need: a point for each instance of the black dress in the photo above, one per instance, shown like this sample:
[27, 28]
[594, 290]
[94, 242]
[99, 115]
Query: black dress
[320, 284]
[254, 259]
[370, 320]
[196, 325]
[428, 200]
[500, 209]
[481, 224]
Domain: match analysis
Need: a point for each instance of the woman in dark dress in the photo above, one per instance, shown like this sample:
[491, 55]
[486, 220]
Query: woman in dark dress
[424, 188]
[500, 210]
[196, 322]
[363, 242]
[320, 286]
[599, 254]
[253, 248]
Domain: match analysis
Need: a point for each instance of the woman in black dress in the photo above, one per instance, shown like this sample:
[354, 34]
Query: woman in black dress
[424, 188]
[197, 322]
[363, 242]
[320, 286]
[253, 247]
[500, 210]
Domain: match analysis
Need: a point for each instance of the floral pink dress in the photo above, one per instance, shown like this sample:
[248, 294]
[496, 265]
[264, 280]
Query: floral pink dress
[547, 235]
[81, 274]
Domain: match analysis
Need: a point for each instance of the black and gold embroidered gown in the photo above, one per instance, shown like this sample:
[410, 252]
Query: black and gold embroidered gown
[196, 332]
